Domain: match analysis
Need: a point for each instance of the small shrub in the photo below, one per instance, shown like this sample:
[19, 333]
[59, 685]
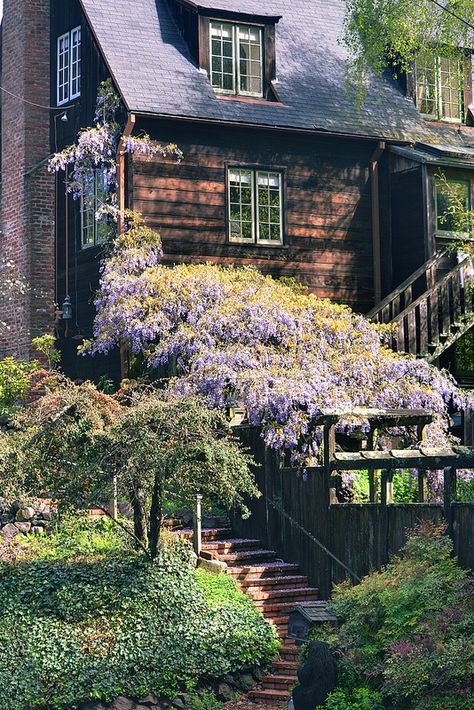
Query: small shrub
[14, 382]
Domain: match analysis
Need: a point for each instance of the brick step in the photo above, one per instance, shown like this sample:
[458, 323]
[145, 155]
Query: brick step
[285, 667]
[274, 607]
[293, 593]
[267, 570]
[233, 558]
[172, 524]
[290, 582]
[287, 653]
[208, 534]
[273, 698]
[231, 544]
[279, 682]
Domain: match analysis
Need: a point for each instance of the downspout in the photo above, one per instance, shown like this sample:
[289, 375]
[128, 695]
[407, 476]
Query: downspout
[121, 153]
[375, 199]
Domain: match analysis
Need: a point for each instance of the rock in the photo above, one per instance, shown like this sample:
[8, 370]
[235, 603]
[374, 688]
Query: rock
[246, 682]
[122, 703]
[224, 692]
[9, 531]
[229, 679]
[3, 504]
[317, 677]
[142, 707]
[6, 518]
[25, 514]
[149, 700]
[258, 674]
[186, 515]
[37, 530]
[23, 527]
[15, 507]
[47, 515]
[178, 703]
[213, 566]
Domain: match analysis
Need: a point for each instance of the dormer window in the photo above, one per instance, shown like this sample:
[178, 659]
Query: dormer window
[236, 59]
[440, 87]
[238, 53]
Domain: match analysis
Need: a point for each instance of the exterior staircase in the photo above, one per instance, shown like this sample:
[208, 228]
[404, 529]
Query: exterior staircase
[275, 586]
[431, 309]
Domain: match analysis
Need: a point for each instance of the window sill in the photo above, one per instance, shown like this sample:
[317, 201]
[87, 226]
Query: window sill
[252, 245]
[248, 100]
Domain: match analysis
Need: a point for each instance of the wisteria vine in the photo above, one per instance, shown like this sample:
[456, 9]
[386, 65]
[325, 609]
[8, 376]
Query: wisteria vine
[239, 336]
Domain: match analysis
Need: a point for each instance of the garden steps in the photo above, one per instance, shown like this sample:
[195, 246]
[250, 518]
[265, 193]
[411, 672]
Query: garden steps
[208, 535]
[274, 586]
[292, 581]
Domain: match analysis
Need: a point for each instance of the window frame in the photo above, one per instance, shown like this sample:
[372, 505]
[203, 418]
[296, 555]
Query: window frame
[74, 41]
[463, 89]
[86, 209]
[447, 233]
[255, 170]
[236, 72]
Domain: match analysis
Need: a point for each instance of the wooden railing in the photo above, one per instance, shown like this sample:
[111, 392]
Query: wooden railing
[442, 313]
[400, 298]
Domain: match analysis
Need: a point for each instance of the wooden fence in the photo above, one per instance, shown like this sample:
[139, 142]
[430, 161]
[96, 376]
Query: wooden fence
[295, 518]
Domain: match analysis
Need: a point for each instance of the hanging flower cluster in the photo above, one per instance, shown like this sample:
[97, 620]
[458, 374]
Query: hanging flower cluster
[239, 336]
[12, 284]
[96, 149]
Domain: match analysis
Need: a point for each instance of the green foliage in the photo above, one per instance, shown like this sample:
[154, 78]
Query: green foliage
[89, 620]
[14, 382]
[404, 487]
[357, 699]
[391, 34]
[45, 345]
[408, 631]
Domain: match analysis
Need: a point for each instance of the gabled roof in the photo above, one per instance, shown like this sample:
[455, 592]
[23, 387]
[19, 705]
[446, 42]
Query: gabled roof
[156, 74]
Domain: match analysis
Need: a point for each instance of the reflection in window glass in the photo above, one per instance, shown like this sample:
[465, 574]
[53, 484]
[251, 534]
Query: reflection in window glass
[94, 193]
[255, 206]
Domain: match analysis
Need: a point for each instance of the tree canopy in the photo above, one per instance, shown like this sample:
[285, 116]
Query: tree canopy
[383, 34]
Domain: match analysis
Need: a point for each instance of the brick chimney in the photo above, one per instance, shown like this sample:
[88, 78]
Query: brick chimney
[28, 190]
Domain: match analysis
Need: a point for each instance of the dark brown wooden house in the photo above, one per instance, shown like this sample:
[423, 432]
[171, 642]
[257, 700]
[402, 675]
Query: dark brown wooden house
[280, 169]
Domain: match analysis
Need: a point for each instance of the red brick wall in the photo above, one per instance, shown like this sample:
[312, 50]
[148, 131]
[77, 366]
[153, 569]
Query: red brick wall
[27, 201]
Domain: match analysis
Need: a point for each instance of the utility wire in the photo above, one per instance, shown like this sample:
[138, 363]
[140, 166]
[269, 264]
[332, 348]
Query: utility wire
[32, 103]
[451, 12]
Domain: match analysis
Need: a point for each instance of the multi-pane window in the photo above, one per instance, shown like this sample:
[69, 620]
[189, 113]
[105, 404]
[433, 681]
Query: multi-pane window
[255, 206]
[440, 88]
[69, 66]
[453, 206]
[236, 61]
[94, 231]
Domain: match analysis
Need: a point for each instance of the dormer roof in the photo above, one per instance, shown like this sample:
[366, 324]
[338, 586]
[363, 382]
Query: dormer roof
[156, 73]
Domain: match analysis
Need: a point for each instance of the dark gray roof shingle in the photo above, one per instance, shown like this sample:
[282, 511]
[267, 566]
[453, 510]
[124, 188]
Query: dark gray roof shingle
[156, 73]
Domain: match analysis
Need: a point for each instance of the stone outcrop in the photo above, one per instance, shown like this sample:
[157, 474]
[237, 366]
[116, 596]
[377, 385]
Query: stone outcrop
[18, 518]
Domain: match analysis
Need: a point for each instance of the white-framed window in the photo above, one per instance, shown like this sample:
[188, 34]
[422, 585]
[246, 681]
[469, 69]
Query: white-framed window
[69, 66]
[236, 58]
[255, 199]
[94, 192]
[440, 88]
[453, 207]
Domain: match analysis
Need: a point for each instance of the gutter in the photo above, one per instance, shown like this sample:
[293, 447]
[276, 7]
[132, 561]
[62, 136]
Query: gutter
[129, 126]
[375, 199]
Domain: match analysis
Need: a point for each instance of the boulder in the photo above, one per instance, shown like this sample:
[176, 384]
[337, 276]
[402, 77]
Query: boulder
[23, 527]
[224, 692]
[246, 682]
[6, 518]
[3, 504]
[122, 703]
[37, 530]
[9, 530]
[15, 507]
[178, 703]
[47, 515]
[149, 700]
[25, 514]
[213, 566]
[317, 677]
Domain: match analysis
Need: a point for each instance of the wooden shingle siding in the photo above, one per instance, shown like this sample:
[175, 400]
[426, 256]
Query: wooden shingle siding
[327, 240]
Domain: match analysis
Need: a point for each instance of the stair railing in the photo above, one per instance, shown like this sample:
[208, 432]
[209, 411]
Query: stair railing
[400, 298]
[431, 323]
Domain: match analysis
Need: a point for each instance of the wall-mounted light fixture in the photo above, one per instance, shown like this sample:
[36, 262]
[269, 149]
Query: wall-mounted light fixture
[67, 309]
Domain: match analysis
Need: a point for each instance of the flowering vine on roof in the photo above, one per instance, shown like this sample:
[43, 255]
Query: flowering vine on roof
[239, 336]
[96, 149]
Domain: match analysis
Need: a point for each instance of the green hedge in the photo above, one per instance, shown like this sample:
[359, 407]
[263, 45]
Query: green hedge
[77, 627]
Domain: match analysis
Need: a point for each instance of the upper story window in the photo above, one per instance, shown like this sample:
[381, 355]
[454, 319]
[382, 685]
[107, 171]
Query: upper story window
[440, 87]
[453, 207]
[236, 58]
[69, 66]
[94, 231]
[255, 199]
